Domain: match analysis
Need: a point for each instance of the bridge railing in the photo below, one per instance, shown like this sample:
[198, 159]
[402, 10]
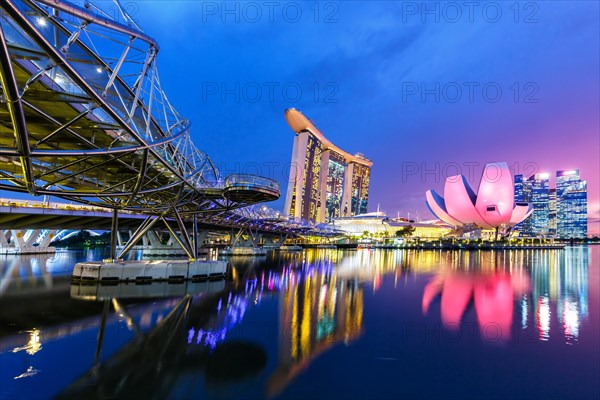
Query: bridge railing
[252, 181]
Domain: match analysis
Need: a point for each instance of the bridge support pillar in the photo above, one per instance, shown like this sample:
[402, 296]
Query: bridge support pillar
[152, 238]
[119, 238]
[275, 241]
[33, 241]
[5, 236]
[245, 242]
[184, 240]
[195, 236]
[137, 235]
[47, 238]
[114, 232]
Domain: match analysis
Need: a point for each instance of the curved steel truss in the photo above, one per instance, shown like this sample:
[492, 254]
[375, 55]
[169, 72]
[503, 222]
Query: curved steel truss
[83, 116]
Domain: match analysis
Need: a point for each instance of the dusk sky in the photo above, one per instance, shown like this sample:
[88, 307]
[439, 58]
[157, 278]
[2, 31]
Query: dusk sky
[381, 78]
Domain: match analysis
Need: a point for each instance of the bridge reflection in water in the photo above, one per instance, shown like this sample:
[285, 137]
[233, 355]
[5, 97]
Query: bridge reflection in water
[204, 341]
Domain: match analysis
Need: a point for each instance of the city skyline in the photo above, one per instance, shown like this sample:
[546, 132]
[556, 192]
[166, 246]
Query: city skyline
[559, 211]
[368, 62]
[417, 139]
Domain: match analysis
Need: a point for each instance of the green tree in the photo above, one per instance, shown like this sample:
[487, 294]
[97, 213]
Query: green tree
[406, 231]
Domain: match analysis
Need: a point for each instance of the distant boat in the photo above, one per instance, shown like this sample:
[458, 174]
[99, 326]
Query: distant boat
[290, 248]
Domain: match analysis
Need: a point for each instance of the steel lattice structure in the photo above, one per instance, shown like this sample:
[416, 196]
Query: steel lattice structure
[83, 116]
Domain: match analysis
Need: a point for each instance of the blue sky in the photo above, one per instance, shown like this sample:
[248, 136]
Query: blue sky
[363, 76]
[527, 74]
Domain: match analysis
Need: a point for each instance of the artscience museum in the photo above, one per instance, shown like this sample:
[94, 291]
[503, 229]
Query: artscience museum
[492, 207]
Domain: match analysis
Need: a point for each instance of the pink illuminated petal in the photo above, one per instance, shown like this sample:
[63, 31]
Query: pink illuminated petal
[495, 197]
[460, 202]
[433, 201]
[520, 213]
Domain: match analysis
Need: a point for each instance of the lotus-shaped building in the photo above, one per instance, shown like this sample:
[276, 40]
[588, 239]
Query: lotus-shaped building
[492, 207]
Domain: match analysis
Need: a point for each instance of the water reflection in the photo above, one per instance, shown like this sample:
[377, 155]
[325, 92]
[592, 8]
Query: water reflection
[562, 281]
[23, 273]
[193, 340]
[317, 310]
[492, 294]
[539, 281]
[30, 274]
[33, 345]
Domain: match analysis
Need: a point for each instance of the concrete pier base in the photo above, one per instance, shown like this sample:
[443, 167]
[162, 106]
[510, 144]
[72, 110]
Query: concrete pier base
[153, 290]
[148, 271]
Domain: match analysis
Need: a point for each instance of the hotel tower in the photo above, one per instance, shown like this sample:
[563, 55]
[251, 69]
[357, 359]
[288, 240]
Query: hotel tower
[325, 181]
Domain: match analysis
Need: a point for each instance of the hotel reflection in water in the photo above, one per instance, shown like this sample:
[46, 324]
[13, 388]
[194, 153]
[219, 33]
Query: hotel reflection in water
[318, 308]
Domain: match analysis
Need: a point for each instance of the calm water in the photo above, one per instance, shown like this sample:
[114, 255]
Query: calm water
[322, 324]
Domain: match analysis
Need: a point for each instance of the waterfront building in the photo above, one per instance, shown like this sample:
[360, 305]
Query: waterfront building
[559, 212]
[571, 204]
[540, 196]
[492, 207]
[519, 195]
[377, 224]
[552, 212]
[522, 194]
[325, 182]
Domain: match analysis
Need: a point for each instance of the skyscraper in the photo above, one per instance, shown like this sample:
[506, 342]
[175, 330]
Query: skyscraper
[540, 196]
[558, 212]
[571, 205]
[534, 190]
[519, 188]
[523, 194]
[552, 212]
[325, 181]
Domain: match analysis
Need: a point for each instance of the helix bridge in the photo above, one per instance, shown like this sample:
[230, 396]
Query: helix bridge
[84, 117]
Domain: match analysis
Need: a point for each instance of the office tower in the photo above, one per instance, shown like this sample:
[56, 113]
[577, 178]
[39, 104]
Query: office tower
[540, 195]
[519, 188]
[523, 194]
[560, 212]
[552, 212]
[325, 181]
[571, 205]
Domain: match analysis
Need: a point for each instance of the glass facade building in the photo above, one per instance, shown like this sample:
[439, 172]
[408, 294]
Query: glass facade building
[325, 181]
[308, 166]
[571, 203]
[519, 189]
[552, 213]
[560, 212]
[361, 175]
[539, 187]
[335, 185]
[522, 194]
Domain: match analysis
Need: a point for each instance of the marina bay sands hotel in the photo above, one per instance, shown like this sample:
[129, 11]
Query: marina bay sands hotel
[325, 181]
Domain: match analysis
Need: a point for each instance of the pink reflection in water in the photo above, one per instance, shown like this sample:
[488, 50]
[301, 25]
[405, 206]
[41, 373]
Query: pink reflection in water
[493, 295]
